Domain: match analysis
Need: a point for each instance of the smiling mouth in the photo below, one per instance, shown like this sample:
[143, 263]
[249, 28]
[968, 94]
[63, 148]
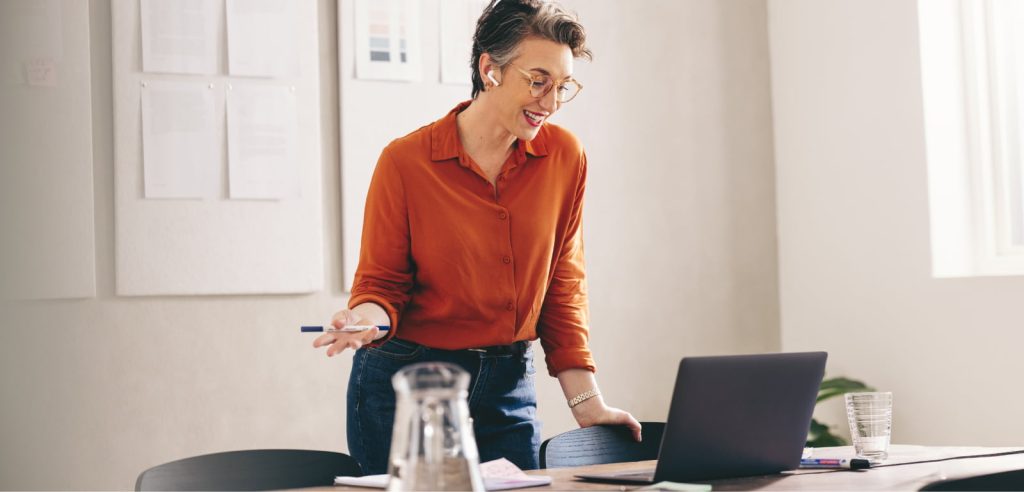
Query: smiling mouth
[534, 119]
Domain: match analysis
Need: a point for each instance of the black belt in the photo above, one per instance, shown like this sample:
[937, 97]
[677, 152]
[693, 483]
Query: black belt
[517, 348]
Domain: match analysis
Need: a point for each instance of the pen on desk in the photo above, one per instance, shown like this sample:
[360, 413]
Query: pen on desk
[346, 329]
[853, 464]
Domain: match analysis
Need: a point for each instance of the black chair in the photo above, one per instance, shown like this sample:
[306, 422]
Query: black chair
[258, 469]
[1009, 480]
[601, 444]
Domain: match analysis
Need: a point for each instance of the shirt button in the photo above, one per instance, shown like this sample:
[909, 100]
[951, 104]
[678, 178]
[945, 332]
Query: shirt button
[502, 215]
[510, 306]
[506, 259]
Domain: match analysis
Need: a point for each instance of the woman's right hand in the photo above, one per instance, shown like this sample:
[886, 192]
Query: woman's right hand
[339, 341]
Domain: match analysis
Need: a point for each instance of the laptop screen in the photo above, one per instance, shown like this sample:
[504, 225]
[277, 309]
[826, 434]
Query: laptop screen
[739, 415]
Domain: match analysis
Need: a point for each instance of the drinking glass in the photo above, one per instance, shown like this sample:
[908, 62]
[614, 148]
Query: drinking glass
[870, 418]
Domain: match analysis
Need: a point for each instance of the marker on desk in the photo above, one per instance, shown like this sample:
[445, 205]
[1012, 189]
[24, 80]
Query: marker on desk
[346, 329]
[852, 464]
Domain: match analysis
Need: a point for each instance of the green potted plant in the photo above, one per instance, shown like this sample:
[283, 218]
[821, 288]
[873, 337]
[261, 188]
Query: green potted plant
[820, 434]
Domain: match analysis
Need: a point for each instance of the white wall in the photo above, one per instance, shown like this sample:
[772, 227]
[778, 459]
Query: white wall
[680, 213]
[854, 257]
[680, 241]
[94, 391]
[50, 254]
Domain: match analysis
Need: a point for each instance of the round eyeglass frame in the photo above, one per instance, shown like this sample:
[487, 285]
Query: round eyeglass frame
[531, 78]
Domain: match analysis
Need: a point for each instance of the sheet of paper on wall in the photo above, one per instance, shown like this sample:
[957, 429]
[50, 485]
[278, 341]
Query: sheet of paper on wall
[388, 40]
[180, 36]
[458, 22]
[31, 35]
[261, 38]
[262, 142]
[179, 140]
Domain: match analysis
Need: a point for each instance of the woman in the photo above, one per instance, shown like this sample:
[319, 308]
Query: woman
[472, 247]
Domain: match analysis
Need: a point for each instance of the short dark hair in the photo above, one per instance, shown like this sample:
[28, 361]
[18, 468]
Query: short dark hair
[505, 23]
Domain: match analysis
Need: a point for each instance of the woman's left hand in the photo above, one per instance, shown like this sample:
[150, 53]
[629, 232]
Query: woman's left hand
[595, 412]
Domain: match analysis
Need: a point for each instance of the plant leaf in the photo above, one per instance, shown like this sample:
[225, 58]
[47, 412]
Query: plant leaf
[817, 427]
[821, 435]
[826, 440]
[840, 385]
[843, 382]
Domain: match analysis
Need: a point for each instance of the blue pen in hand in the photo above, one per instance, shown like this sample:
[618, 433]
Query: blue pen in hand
[346, 329]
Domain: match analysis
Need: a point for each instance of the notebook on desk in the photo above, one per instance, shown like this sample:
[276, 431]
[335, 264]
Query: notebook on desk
[734, 416]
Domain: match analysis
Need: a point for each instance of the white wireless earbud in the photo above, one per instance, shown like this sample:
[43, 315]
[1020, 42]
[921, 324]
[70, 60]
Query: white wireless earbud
[490, 76]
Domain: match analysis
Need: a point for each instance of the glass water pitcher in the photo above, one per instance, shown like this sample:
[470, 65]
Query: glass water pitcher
[432, 445]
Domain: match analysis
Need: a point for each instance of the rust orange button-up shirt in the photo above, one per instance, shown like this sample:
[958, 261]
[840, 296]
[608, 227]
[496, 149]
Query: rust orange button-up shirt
[460, 263]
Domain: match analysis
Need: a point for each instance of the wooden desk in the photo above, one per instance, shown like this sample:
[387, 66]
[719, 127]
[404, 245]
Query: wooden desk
[905, 477]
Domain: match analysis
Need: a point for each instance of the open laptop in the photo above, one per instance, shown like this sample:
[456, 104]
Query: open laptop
[734, 416]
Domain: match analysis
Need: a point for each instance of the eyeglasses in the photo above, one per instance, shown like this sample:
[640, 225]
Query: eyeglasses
[541, 85]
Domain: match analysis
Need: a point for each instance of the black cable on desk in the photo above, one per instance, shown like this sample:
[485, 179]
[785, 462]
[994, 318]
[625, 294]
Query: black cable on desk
[990, 455]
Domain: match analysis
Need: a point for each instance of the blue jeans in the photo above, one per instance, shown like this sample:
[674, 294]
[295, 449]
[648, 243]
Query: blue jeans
[502, 402]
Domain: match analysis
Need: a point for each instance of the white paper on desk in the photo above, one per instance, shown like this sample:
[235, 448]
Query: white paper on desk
[179, 152]
[179, 36]
[502, 474]
[499, 474]
[370, 481]
[262, 142]
[501, 468]
[261, 38]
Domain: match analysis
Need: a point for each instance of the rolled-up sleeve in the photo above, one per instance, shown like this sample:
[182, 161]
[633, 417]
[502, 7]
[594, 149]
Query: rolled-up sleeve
[385, 272]
[564, 321]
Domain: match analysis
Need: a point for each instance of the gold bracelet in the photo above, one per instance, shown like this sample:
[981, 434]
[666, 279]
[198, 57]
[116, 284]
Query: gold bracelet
[582, 397]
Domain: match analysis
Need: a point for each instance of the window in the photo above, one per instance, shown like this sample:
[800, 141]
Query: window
[971, 63]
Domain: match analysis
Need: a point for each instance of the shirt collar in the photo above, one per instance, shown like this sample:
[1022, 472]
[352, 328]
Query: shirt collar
[445, 143]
